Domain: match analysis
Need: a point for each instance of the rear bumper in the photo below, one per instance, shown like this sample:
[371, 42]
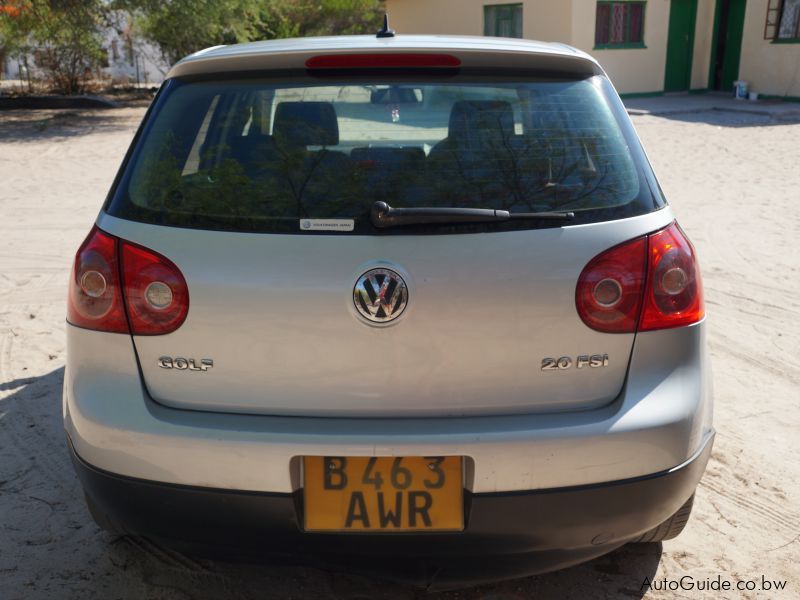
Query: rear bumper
[659, 420]
[507, 534]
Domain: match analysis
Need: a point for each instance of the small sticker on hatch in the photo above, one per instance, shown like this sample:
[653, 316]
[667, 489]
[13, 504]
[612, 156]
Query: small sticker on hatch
[326, 224]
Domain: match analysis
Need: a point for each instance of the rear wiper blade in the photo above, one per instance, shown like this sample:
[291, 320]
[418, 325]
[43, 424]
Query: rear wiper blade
[383, 216]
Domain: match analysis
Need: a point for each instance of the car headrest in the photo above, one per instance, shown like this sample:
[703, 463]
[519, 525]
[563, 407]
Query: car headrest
[305, 124]
[470, 119]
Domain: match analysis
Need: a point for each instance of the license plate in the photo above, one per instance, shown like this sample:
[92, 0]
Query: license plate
[383, 494]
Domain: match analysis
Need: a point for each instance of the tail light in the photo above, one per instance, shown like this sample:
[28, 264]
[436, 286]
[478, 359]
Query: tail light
[156, 295]
[95, 297]
[155, 299]
[674, 295]
[609, 292]
[651, 282]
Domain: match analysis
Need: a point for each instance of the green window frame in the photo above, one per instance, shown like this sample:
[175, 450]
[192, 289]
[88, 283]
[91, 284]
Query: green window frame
[619, 24]
[502, 20]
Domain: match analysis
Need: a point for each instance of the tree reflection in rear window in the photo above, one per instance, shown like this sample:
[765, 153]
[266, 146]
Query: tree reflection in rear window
[263, 155]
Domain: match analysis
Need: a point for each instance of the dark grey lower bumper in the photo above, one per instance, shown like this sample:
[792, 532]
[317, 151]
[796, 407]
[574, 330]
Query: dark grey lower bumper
[507, 535]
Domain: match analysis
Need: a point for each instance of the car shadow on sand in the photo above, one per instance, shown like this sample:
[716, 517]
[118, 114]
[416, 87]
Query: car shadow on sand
[46, 517]
[26, 126]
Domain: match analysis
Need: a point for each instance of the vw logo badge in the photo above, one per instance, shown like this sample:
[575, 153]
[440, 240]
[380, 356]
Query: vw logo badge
[380, 295]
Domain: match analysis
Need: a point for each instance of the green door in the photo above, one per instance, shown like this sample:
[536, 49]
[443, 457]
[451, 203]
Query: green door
[680, 44]
[733, 44]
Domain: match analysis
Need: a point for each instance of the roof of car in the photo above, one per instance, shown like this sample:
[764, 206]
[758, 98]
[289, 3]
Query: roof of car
[471, 50]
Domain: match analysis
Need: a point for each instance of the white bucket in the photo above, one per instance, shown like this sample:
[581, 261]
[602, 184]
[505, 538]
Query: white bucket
[753, 96]
[740, 90]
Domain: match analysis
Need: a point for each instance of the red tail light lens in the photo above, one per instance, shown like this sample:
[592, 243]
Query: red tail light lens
[674, 295]
[156, 294]
[609, 292]
[156, 297]
[95, 301]
[651, 282]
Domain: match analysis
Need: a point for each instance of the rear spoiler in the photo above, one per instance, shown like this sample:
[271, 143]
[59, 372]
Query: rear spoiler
[568, 64]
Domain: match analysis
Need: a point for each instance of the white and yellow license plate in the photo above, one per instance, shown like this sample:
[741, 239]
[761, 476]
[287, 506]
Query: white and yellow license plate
[383, 494]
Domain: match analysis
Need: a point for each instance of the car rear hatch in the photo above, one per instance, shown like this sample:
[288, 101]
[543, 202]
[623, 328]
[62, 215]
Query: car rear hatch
[260, 190]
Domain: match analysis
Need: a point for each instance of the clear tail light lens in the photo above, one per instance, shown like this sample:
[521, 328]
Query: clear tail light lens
[651, 282]
[155, 299]
[95, 301]
[674, 295]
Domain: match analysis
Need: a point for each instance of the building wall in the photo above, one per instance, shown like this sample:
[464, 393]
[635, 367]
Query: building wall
[772, 69]
[143, 64]
[632, 70]
[457, 17]
[137, 62]
[570, 21]
[544, 20]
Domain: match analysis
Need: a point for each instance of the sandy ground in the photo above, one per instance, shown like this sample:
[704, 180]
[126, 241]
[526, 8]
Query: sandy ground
[733, 181]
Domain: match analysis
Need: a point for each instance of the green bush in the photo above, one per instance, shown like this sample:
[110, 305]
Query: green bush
[62, 35]
[181, 27]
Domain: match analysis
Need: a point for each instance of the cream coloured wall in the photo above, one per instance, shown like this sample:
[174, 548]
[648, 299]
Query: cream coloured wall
[456, 17]
[772, 69]
[547, 20]
[568, 21]
[632, 70]
[571, 22]
[544, 20]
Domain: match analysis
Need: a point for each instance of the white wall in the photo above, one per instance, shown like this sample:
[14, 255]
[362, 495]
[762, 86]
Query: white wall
[151, 67]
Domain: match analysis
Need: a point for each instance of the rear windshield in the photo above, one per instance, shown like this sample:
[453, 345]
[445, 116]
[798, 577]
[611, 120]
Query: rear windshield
[303, 155]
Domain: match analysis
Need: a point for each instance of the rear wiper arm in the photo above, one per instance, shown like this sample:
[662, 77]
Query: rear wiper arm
[384, 216]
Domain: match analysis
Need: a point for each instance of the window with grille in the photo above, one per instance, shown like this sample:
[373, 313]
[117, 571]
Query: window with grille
[783, 21]
[503, 20]
[619, 25]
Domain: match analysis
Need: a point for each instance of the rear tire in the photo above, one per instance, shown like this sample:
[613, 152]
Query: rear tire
[670, 528]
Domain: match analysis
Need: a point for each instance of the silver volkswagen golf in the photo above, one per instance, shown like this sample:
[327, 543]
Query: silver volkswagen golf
[408, 303]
